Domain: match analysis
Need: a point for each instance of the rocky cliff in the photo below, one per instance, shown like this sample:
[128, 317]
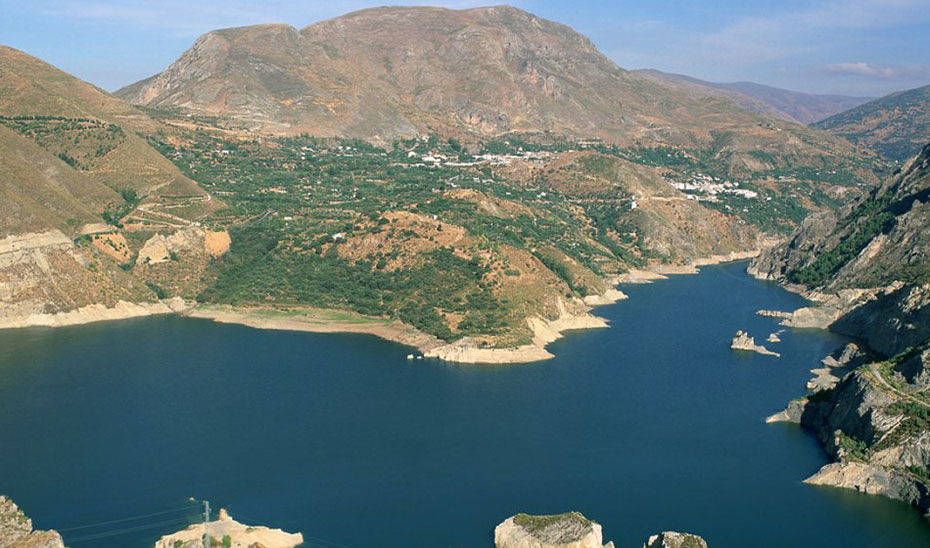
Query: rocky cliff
[868, 267]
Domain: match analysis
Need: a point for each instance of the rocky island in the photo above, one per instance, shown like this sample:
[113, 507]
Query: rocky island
[573, 530]
[743, 341]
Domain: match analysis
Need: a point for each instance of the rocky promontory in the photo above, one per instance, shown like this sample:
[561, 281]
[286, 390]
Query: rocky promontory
[16, 529]
[573, 530]
[229, 533]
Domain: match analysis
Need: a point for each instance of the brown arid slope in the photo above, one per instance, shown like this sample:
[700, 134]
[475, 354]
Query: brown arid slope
[73, 174]
[385, 73]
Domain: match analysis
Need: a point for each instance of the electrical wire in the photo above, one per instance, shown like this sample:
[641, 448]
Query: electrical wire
[132, 518]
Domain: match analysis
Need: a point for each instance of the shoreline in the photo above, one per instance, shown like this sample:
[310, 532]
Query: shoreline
[314, 320]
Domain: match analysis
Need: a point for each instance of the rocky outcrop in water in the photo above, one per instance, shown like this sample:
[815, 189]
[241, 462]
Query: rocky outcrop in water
[16, 529]
[743, 341]
[671, 539]
[573, 530]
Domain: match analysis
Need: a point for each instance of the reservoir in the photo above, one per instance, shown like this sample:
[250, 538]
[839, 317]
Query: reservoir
[107, 429]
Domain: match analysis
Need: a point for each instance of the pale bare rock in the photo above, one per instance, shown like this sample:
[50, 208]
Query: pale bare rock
[545, 331]
[240, 536]
[867, 478]
[16, 529]
[672, 539]
[315, 321]
[792, 413]
[161, 249]
[609, 297]
[774, 314]
[773, 338]
[94, 313]
[636, 276]
[742, 341]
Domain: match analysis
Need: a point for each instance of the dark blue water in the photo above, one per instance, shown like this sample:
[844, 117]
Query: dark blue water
[651, 425]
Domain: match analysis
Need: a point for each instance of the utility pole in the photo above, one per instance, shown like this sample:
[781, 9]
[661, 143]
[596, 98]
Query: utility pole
[207, 541]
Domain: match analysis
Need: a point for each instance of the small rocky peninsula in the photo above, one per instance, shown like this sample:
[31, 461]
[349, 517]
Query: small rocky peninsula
[229, 533]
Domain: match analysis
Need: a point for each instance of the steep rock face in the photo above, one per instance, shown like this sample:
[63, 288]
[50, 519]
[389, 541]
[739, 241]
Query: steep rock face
[892, 322]
[46, 273]
[384, 73]
[16, 529]
[855, 407]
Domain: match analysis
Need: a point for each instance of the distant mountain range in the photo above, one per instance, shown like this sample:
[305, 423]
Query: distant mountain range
[803, 108]
[897, 125]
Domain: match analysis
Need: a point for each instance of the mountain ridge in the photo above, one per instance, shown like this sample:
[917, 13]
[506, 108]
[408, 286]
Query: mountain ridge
[896, 125]
[795, 106]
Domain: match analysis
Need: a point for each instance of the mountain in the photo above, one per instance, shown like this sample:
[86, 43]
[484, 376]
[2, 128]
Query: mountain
[896, 126]
[76, 180]
[803, 108]
[387, 73]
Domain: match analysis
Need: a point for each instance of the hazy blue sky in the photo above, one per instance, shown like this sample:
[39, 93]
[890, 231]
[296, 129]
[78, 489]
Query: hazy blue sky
[855, 47]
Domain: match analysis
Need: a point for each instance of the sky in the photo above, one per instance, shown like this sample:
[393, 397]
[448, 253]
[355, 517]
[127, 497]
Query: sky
[850, 47]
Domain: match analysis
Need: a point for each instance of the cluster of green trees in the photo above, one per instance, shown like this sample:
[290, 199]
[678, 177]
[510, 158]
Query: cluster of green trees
[78, 142]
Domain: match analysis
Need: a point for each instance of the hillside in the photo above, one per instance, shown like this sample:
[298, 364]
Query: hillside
[80, 191]
[883, 238]
[388, 73]
[803, 108]
[485, 251]
[896, 126]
